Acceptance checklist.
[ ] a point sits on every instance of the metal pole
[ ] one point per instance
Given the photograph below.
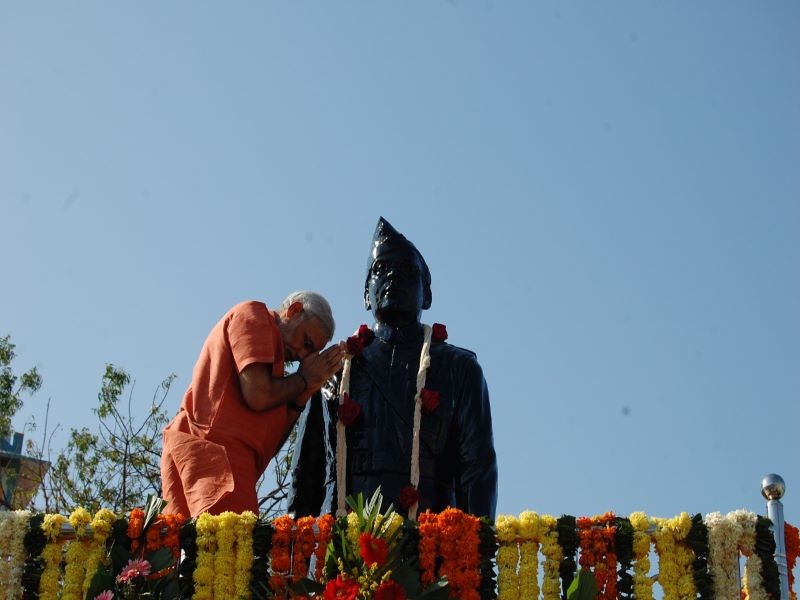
(773, 488)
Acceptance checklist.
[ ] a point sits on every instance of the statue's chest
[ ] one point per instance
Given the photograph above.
(386, 392)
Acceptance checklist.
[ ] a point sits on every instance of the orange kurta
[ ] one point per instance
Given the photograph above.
(216, 447)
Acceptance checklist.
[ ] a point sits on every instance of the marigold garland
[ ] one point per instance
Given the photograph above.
(135, 528)
(34, 543)
(244, 554)
(164, 532)
(459, 543)
(791, 536)
(13, 526)
(597, 551)
(623, 546)
(324, 526)
(508, 580)
(529, 555)
(554, 554)
(203, 575)
(642, 584)
(675, 557)
(723, 555)
(76, 556)
(569, 540)
(428, 546)
(281, 562)
(225, 557)
(51, 555)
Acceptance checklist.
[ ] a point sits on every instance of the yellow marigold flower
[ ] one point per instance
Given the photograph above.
(506, 527)
(529, 525)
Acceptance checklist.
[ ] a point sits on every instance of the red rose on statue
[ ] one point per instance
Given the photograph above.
(430, 400)
(360, 340)
(349, 410)
(390, 590)
(341, 589)
(366, 335)
(354, 345)
(439, 333)
(408, 496)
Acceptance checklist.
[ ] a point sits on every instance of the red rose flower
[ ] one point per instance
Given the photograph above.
(341, 589)
(354, 345)
(366, 335)
(439, 333)
(408, 496)
(349, 411)
(373, 549)
(390, 590)
(430, 400)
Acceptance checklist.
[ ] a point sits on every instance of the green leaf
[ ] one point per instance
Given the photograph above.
(307, 586)
(103, 580)
(152, 509)
(435, 591)
(583, 587)
(161, 559)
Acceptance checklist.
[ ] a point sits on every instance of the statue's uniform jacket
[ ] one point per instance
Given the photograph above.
(458, 465)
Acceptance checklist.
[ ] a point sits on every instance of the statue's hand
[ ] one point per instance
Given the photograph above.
(317, 368)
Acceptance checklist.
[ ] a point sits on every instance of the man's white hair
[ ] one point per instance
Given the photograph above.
(314, 304)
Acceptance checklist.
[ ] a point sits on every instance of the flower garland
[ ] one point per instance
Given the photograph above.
(135, 529)
(597, 550)
(723, 542)
(508, 581)
(791, 536)
(529, 555)
(51, 555)
(13, 526)
(281, 562)
(225, 555)
(324, 526)
(642, 584)
(303, 547)
(428, 546)
(262, 545)
(77, 556)
(675, 557)
(554, 554)
(164, 532)
(188, 564)
(488, 550)
(569, 540)
(101, 529)
(424, 363)
(753, 581)
(459, 544)
(698, 542)
(203, 575)
(244, 554)
(623, 546)
(765, 549)
(34, 543)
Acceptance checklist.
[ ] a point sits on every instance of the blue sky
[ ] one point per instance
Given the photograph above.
(607, 195)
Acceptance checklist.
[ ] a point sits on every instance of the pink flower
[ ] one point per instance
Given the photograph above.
(107, 595)
(133, 569)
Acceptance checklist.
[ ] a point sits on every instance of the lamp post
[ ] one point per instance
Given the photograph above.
(773, 489)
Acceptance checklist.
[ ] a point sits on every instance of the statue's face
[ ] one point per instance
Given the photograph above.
(395, 290)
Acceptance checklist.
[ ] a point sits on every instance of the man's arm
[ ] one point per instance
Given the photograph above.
(261, 391)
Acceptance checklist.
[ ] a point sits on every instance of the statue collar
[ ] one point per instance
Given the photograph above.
(408, 334)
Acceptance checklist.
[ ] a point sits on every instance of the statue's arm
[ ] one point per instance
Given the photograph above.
(476, 477)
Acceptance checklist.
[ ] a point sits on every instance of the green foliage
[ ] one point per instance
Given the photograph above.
(583, 587)
(13, 387)
(117, 465)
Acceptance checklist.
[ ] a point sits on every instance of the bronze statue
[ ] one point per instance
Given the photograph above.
(458, 465)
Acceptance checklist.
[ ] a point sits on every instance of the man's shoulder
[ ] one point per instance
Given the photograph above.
(455, 354)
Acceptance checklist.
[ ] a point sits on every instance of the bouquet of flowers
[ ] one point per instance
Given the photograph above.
(372, 555)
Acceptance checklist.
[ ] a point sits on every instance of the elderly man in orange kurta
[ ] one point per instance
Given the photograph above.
(239, 408)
